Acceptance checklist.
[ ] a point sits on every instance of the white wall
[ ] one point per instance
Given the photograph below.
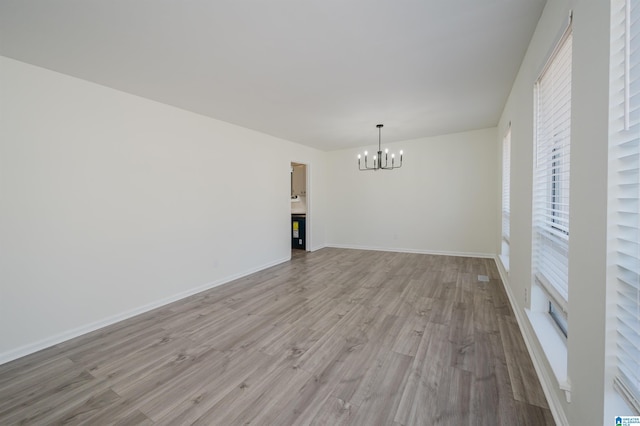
(442, 200)
(587, 259)
(111, 204)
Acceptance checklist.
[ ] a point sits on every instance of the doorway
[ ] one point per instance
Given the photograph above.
(299, 207)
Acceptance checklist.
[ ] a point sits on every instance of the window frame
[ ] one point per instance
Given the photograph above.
(551, 190)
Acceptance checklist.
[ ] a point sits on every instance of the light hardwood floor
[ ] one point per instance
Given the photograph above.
(332, 337)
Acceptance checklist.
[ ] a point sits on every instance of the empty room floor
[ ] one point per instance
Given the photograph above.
(331, 337)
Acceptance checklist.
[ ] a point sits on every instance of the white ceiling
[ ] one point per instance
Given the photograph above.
(319, 72)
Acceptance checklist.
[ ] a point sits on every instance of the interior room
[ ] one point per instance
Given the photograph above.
(298, 206)
(190, 172)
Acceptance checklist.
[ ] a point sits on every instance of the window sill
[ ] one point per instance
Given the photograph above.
(554, 346)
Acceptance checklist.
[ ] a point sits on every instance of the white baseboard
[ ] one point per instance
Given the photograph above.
(417, 251)
(70, 334)
(547, 382)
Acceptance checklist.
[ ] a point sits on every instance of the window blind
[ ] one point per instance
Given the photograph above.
(551, 172)
(506, 178)
(625, 187)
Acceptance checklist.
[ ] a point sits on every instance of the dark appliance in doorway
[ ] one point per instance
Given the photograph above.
(298, 231)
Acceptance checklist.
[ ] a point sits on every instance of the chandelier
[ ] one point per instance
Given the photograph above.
(378, 163)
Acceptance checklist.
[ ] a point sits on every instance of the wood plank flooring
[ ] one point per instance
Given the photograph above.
(334, 337)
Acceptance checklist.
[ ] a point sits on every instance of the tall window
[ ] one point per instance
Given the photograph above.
(551, 179)
(506, 197)
(624, 200)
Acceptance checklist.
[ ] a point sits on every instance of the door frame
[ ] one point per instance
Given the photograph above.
(307, 177)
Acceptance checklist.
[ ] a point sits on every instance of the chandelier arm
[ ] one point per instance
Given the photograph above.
(393, 166)
(365, 168)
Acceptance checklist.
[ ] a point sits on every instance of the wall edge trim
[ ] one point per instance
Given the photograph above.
(48, 342)
(559, 416)
(416, 251)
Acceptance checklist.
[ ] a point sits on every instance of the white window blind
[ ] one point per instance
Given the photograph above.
(506, 196)
(506, 177)
(625, 191)
(551, 173)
